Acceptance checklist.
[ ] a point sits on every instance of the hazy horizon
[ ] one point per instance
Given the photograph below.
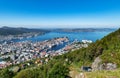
(40, 27)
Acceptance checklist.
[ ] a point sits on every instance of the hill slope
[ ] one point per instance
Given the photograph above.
(108, 48)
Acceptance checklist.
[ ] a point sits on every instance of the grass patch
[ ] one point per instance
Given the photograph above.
(104, 74)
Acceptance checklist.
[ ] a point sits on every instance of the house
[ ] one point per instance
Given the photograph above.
(86, 68)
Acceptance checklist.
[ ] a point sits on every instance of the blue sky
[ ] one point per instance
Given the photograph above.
(60, 13)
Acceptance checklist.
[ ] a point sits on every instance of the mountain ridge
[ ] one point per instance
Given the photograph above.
(5, 30)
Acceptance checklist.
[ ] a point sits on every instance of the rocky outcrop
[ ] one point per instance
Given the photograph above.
(109, 66)
(97, 65)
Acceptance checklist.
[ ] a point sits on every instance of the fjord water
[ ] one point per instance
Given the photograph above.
(91, 35)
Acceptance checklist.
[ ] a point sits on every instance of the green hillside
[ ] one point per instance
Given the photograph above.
(108, 49)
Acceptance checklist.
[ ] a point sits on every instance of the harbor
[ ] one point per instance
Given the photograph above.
(20, 52)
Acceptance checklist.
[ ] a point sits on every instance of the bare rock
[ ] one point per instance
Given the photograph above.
(109, 66)
(96, 64)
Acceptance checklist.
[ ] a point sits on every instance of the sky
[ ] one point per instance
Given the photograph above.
(60, 13)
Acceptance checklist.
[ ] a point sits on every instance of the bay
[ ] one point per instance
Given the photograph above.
(93, 35)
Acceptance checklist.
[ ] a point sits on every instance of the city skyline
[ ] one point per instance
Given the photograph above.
(60, 13)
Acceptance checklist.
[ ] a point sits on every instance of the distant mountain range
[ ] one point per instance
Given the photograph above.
(85, 29)
(5, 30)
(16, 31)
